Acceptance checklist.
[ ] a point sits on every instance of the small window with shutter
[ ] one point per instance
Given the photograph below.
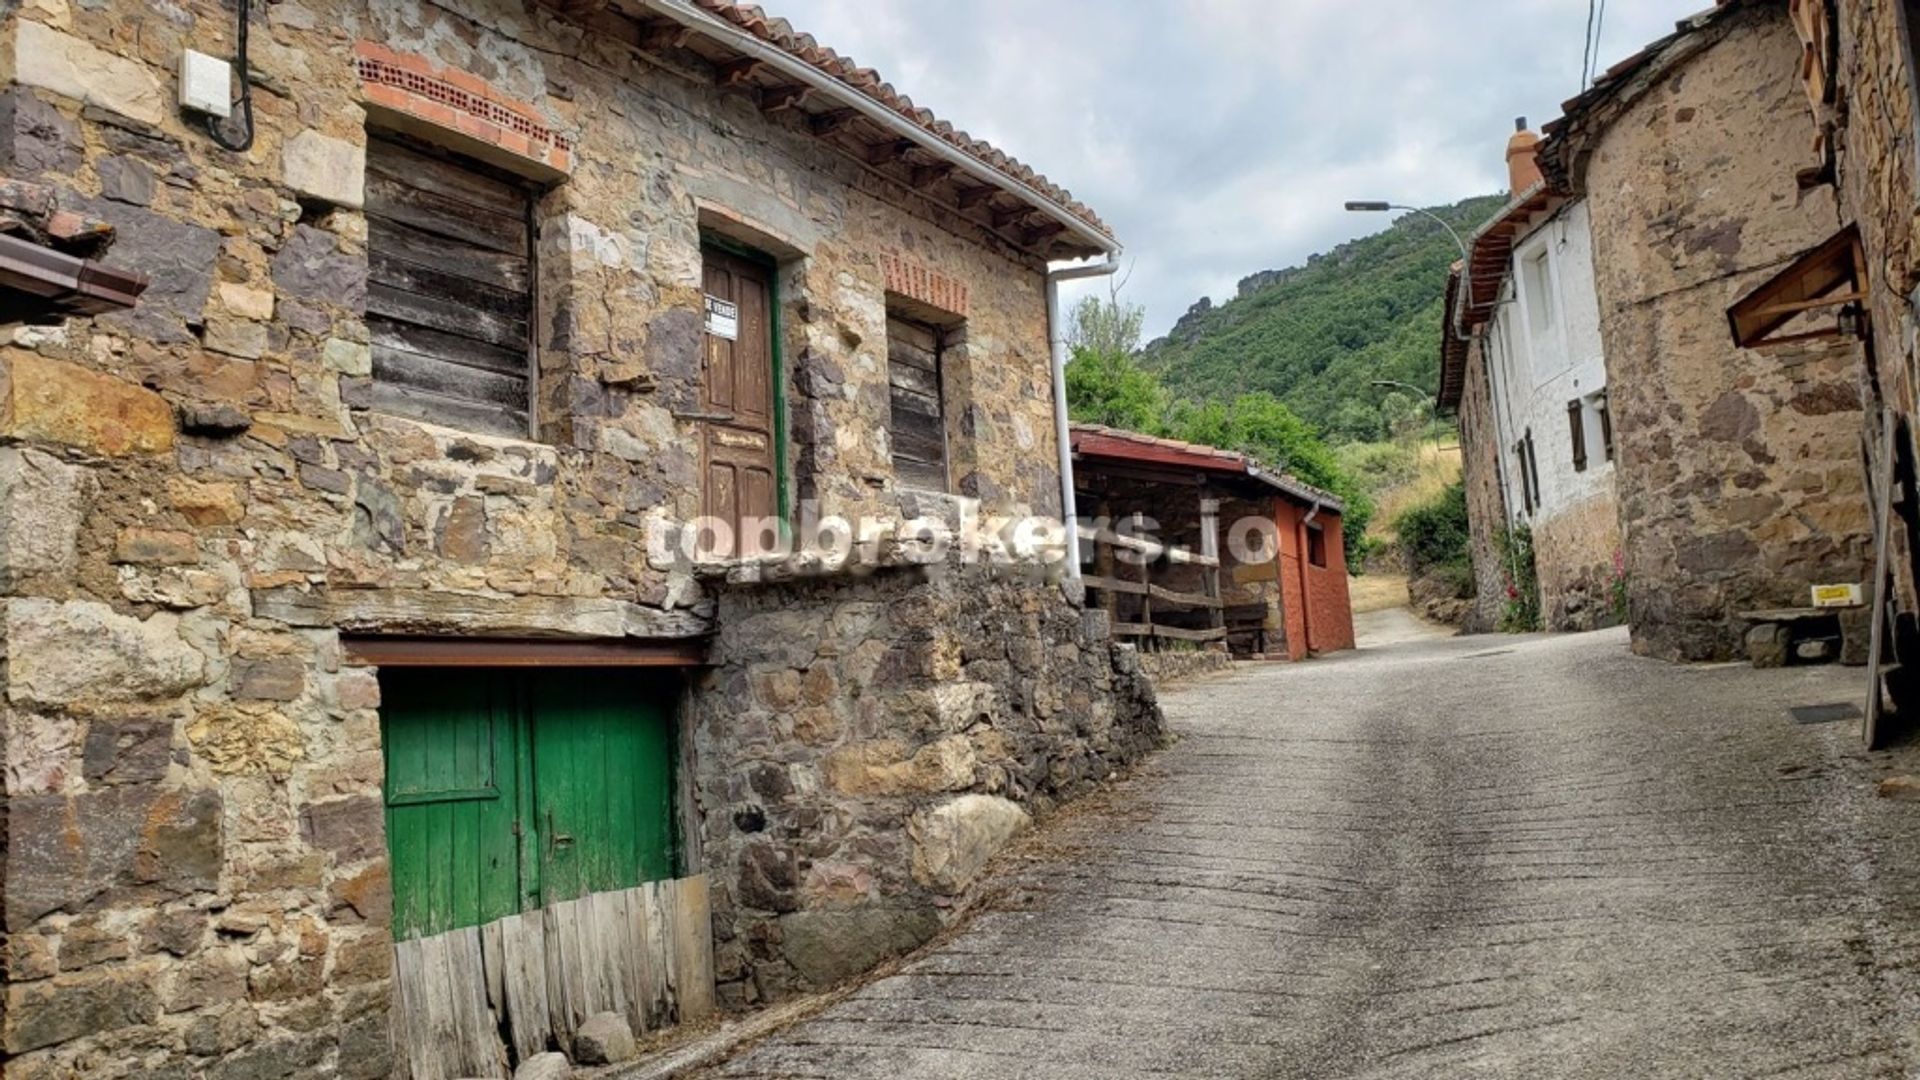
(917, 425)
(450, 299)
(1606, 424)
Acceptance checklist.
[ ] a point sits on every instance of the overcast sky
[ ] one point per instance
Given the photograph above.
(1220, 137)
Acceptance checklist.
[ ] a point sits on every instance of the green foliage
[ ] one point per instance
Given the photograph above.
(1317, 337)
(1107, 385)
(1435, 533)
(1522, 613)
(1382, 466)
(1113, 389)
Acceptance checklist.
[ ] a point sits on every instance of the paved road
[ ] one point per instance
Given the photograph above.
(1487, 856)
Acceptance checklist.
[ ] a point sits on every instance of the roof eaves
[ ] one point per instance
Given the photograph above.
(747, 28)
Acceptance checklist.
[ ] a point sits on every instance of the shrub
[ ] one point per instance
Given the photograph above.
(1435, 533)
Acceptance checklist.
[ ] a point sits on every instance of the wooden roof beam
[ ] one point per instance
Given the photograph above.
(971, 197)
(925, 176)
(832, 121)
(781, 98)
(659, 35)
(738, 72)
(1043, 232)
(1004, 218)
(882, 153)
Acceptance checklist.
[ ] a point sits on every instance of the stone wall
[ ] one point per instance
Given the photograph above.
(196, 501)
(1174, 666)
(865, 744)
(1486, 509)
(1578, 558)
(1875, 145)
(1739, 472)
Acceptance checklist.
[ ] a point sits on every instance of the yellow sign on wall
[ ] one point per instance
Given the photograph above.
(1836, 596)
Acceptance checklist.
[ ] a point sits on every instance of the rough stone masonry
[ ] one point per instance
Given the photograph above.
(198, 503)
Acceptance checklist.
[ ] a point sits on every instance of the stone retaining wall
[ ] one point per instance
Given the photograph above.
(865, 744)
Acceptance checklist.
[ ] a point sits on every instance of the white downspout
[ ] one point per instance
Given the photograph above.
(1057, 331)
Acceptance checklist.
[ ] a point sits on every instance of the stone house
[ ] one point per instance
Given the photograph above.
(1858, 69)
(1739, 469)
(404, 660)
(1465, 391)
(1527, 301)
(1199, 547)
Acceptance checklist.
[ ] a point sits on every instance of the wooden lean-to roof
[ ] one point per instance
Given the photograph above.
(1097, 443)
(796, 79)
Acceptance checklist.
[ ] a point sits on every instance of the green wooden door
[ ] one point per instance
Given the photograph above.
(603, 782)
(451, 792)
(507, 790)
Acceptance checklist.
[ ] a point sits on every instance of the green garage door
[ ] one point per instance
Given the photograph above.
(507, 790)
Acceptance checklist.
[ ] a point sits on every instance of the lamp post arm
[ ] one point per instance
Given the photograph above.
(1466, 266)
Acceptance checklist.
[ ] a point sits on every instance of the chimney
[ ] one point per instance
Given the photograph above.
(1522, 170)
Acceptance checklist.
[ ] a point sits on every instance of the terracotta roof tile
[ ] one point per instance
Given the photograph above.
(781, 34)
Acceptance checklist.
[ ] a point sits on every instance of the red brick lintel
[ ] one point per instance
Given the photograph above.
(412, 90)
(924, 285)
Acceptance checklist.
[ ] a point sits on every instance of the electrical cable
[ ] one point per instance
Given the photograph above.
(1599, 30)
(1586, 48)
(214, 128)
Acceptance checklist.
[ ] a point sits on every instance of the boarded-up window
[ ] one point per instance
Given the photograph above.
(450, 293)
(1577, 427)
(917, 428)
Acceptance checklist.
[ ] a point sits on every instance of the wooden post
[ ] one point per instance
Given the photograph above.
(1280, 580)
(1146, 579)
(1210, 549)
(1103, 561)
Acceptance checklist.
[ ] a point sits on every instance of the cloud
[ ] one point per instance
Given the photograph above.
(1220, 137)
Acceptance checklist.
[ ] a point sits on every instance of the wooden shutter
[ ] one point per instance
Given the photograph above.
(450, 290)
(1526, 487)
(1606, 426)
(1577, 426)
(917, 427)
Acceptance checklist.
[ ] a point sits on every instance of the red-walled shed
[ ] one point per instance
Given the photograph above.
(1193, 545)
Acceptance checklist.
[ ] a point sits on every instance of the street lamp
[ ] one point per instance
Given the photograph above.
(1376, 206)
(1398, 385)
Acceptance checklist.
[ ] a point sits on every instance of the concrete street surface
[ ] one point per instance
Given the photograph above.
(1525, 857)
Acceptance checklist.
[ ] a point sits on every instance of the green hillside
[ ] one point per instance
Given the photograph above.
(1316, 336)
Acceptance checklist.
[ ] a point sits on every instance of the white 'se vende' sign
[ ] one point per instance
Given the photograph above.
(723, 318)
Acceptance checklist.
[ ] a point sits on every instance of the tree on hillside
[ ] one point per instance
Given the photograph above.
(1106, 327)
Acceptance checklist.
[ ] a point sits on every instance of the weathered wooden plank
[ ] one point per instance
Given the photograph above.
(919, 440)
(909, 406)
(447, 316)
(426, 341)
(392, 200)
(919, 474)
(523, 942)
(1182, 634)
(500, 269)
(433, 281)
(664, 995)
(450, 378)
(913, 334)
(634, 971)
(693, 948)
(922, 381)
(450, 412)
(562, 949)
(424, 611)
(418, 169)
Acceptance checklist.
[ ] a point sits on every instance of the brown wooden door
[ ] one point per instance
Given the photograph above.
(741, 484)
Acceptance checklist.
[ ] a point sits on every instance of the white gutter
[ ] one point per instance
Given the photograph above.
(743, 41)
(1057, 332)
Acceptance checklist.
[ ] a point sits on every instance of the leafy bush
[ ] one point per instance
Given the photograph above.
(1435, 533)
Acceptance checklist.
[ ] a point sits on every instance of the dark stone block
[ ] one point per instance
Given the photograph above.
(674, 352)
(353, 829)
(130, 751)
(125, 179)
(177, 257)
(72, 852)
(276, 1060)
(48, 1013)
(37, 138)
(312, 267)
(768, 877)
(377, 521)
